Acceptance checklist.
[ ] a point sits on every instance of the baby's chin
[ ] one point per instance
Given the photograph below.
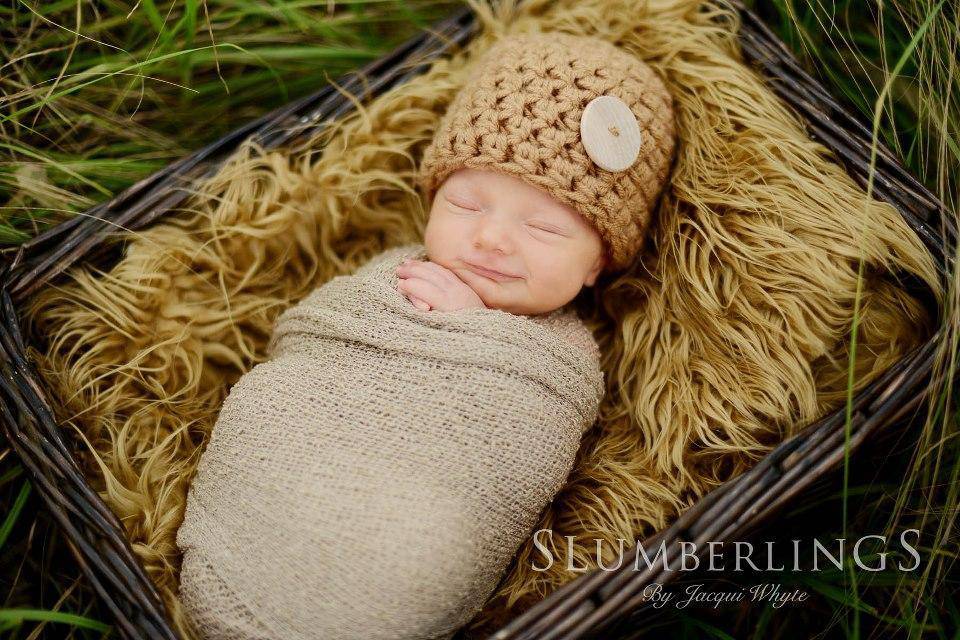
(516, 305)
(495, 295)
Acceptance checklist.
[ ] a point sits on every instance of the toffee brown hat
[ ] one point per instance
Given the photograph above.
(574, 115)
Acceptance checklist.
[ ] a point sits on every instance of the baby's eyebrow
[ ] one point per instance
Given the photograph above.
(467, 191)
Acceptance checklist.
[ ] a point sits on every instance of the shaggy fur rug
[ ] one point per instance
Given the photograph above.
(729, 335)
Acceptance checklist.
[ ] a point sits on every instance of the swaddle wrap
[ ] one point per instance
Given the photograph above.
(374, 477)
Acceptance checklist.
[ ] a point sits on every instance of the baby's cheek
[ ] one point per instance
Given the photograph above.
(554, 285)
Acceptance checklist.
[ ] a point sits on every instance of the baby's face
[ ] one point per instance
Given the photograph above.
(488, 219)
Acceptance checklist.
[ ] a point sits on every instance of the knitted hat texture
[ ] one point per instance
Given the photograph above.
(520, 112)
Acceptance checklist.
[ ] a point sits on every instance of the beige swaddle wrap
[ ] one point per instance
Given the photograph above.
(375, 476)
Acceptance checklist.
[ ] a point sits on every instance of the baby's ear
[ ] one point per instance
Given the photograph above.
(596, 269)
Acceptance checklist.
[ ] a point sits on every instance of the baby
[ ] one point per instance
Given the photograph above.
(374, 477)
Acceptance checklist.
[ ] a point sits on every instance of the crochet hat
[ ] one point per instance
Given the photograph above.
(572, 115)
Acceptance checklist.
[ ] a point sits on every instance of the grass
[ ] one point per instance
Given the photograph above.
(94, 97)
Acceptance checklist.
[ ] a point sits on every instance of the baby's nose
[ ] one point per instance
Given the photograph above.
(494, 236)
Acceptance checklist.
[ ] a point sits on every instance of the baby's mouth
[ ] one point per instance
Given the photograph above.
(489, 273)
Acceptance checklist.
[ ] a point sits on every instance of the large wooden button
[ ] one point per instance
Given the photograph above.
(610, 133)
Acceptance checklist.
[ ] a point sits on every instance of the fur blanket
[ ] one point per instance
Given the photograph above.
(376, 475)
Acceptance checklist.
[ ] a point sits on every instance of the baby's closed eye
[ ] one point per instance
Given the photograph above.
(539, 226)
(463, 205)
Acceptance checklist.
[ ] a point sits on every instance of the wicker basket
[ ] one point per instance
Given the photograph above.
(586, 605)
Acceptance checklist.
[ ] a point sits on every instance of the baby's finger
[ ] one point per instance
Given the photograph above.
(419, 304)
(422, 270)
(427, 291)
(447, 275)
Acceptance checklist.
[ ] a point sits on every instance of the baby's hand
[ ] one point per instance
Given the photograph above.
(429, 285)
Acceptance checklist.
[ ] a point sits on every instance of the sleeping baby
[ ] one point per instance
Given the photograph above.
(373, 478)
